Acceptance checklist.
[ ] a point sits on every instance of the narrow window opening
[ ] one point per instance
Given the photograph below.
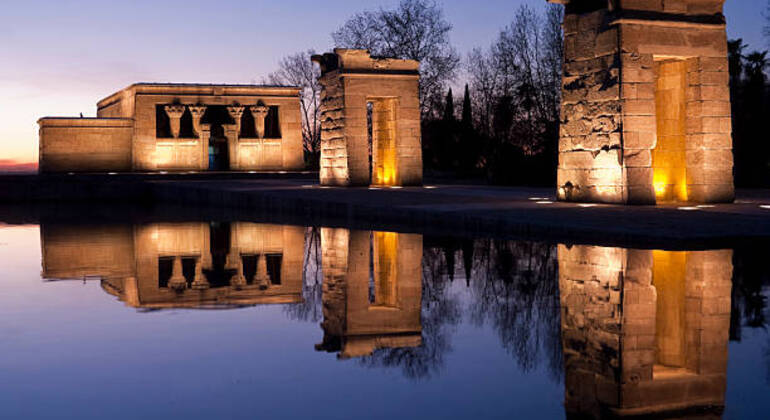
(188, 270)
(250, 267)
(272, 123)
(248, 129)
(273, 262)
(162, 123)
(165, 271)
(186, 125)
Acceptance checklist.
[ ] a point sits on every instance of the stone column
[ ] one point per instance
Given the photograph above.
(174, 113)
(238, 280)
(259, 112)
(203, 132)
(204, 137)
(177, 280)
(231, 132)
(200, 282)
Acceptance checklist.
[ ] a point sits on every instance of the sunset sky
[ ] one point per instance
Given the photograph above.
(59, 57)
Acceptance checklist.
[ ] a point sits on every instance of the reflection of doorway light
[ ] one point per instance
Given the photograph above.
(668, 277)
(383, 280)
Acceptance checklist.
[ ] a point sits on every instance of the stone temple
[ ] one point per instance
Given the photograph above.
(370, 120)
(645, 103)
(180, 127)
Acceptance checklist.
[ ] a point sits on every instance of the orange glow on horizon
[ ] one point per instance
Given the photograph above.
(11, 165)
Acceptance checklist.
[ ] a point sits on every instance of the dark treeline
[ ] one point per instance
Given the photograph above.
(503, 126)
(748, 91)
(512, 287)
(507, 127)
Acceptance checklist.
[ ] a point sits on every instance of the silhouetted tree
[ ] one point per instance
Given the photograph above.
(467, 116)
(517, 89)
(449, 107)
(298, 70)
(416, 30)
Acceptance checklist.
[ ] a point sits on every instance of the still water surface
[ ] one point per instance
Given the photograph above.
(245, 320)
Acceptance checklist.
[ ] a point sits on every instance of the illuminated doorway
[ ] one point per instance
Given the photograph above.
(669, 157)
(382, 141)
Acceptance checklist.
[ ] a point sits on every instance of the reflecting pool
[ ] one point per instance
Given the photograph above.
(234, 319)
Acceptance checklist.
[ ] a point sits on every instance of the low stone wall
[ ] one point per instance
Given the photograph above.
(85, 144)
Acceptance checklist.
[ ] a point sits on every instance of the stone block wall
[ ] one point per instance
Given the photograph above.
(352, 79)
(85, 144)
(644, 332)
(354, 324)
(609, 129)
(124, 136)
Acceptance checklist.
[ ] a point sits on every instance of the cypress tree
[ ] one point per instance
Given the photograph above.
(449, 107)
(467, 119)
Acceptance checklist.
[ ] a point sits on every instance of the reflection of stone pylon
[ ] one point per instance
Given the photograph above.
(177, 281)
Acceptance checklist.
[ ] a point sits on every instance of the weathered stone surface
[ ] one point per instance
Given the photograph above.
(352, 80)
(614, 96)
(643, 332)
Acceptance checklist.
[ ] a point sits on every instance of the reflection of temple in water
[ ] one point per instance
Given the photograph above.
(644, 332)
(181, 265)
(371, 291)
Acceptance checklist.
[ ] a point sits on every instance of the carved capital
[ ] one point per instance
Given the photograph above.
(236, 111)
(197, 111)
(259, 112)
(174, 113)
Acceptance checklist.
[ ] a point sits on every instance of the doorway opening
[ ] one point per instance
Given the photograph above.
(668, 157)
(219, 154)
(381, 124)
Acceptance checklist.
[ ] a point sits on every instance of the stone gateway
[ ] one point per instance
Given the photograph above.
(370, 120)
(645, 113)
(180, 127)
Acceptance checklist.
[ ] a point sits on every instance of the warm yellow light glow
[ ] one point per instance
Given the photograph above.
(385, 268)
(384, 142)
(668, 158)
(668, 277)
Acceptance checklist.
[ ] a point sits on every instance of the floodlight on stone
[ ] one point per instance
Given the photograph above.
(645, 114)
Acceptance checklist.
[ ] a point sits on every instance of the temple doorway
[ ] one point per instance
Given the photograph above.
(219, 159)
(219, 153)
(381, 125)
(668, 157)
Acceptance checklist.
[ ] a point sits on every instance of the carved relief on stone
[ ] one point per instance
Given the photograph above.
(175, 113)
(197, 112)
(259, 112)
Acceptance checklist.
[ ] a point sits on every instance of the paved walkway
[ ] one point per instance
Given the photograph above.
(511, 212)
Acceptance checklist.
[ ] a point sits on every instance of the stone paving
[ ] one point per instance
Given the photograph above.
(505, 211)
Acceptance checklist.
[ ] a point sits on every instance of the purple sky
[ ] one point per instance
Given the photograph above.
(59, 57)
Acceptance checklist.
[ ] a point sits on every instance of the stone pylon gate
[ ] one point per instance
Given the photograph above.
(362, 93)
(645, 102)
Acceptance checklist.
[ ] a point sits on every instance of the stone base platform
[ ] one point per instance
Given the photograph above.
(296, 198)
